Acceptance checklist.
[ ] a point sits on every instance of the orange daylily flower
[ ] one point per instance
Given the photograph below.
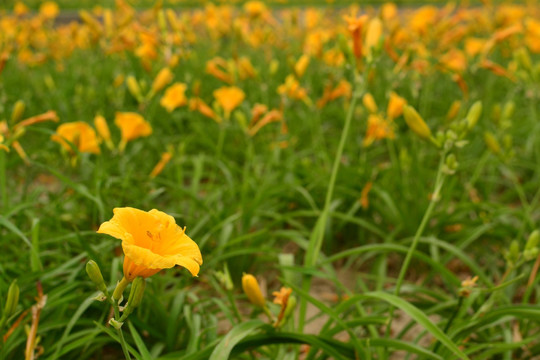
(165, 158)
(151, 242)
(354, 25)
(301, 65)
(229, 98)
(292, 89)
(103, 130)
(174, 97)
(132, 126)
(364, 199)
(395, 105)
(197, 104)
(79, 134)
(163, 78)
(378, 128)
(218, 68)
(49, 9)
(272, 116)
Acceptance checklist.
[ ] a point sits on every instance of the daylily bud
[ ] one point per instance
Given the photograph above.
(94, 273)
(523, 58)
(453, 111)
(115, 324)
(12, 299)
(373, 34)
(274, 66)
(291, 304)
(18, 110)
(416, 123)
(512, 256)
(531, 247)
(451, 162)
(474, 114)
(224, 278)
(492, 143)
(135, 297)
(103, 130)
(508, 110)
(369, 103)
(164, 77)
(252, 290)
(134, 88)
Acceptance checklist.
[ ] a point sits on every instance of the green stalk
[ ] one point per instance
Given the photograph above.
(117, 295)
(119, 331)
(316, 239)
(439, 180)
(3, 181)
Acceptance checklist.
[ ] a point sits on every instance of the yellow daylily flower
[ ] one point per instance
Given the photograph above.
(229, 98)
(174, 97)
(80, 134)
(132, 126)
(151, 241)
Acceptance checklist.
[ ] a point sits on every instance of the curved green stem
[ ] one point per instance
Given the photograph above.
(316, 239)
(120, 333)
(439, 180)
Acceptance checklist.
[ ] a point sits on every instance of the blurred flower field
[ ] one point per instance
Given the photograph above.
(269, 180)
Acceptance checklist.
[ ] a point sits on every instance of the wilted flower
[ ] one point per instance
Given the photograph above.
(151, 242)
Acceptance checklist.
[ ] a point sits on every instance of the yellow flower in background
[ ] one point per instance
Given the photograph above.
(369, 103)
(20, 8)
(292, 89)
(416, 123)
(395, 105)
(165, 158)
(255, 8)
(175, 96)
(49, 9)
(80, 134)
(378, 128)
(301, 65)
(132, 126)
(103, 130)
(251, 288)
(229, 98)
(197, 104)
(163, 78)
(373, 34)
(151, 242)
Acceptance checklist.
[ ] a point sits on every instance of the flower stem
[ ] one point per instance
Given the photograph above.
(317, 236)
(439, 180)
(119, 290)
(119, 330)
(3, 180)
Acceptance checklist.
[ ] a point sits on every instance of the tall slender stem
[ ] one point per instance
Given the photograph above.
(3, 181)
(119, 331)
(316, 239)
(439, 180)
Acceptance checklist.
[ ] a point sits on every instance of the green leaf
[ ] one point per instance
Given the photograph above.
(420, 318)
(239, 332)
(145, 354)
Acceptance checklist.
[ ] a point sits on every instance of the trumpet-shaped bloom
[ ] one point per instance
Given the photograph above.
(151, 242)
(80, 134)
(229, 98)
(174, 97)
(132, 126)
